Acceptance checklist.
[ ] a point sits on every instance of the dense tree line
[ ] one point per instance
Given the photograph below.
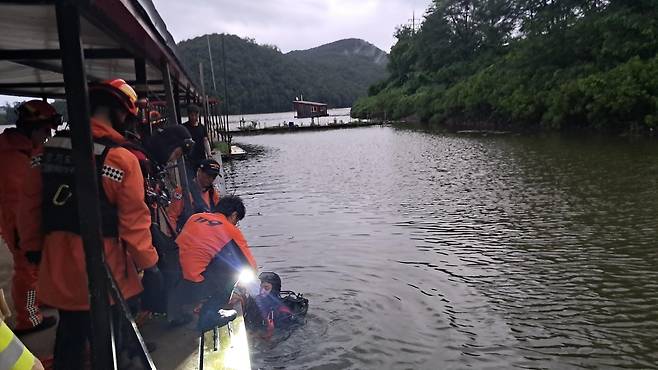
(261, 79)
(522, 63)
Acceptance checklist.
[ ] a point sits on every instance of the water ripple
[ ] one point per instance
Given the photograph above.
(423, 251)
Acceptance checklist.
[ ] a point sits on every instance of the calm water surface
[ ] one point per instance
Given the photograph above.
(425, 250)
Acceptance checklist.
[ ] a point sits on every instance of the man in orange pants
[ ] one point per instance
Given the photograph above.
(36, 118)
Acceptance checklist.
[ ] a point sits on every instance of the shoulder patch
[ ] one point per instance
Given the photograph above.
(112, 173)
(36, 160)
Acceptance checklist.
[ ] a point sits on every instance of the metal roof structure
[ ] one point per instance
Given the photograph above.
(114, 34)
(54, 49)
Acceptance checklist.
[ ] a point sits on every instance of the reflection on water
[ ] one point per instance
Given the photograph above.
(425, 251)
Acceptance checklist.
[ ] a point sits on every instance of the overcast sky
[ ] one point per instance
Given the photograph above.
(288, 24)
(291, 24)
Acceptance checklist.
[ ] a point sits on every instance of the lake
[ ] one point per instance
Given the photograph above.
(431, 250)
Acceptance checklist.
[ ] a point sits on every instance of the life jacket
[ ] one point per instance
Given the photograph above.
(60, 195)
(198, 204)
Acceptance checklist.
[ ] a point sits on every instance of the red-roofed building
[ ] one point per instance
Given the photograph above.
(309, 109)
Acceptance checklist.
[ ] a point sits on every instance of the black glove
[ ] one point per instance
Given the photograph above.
(33, 257)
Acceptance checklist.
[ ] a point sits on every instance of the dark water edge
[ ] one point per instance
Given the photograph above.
(426, 249)
(456, 124)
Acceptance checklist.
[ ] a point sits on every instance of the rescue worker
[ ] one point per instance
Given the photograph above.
(269, 309)
(168, 144)
(164, 148)
(49, 222)
(213, 252)
(36, 119)
(201, 149)
(203, 194)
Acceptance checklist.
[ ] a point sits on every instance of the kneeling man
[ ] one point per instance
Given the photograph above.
(213, 252)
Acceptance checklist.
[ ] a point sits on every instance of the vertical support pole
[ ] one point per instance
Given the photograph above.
(202, 347)
(213, 120)
(103, 356)
(173, 120)
(220, 120)
(218, 130)
(227, 136)
(172, 116)
(141, 84)
(141, 87)
(177, 103)
(212, 67)
(211, 123)
(204, 101)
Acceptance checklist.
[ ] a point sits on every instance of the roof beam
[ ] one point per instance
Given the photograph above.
(33, 94)
(41, 54)
(32, 85)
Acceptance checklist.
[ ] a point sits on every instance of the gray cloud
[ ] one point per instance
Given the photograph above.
(291, 24)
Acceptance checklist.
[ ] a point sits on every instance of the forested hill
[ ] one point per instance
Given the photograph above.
(521, 63)
(262, 79)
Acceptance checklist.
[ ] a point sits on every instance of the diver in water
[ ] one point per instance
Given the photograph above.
(273, 308)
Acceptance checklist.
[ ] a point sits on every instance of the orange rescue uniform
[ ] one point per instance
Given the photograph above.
(63, 274)
(176, 207)
(16, 152)
(203, 237)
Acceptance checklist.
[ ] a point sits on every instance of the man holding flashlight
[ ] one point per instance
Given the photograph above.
(213, 252)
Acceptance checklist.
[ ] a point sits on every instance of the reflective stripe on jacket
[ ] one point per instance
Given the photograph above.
(13, 354)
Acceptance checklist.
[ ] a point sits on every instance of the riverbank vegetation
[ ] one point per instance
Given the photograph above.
(525, 63)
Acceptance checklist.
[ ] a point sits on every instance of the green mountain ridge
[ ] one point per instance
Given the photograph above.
(262, 79)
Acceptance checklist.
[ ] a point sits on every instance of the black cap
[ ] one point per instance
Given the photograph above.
(193, 108)
(210, 166)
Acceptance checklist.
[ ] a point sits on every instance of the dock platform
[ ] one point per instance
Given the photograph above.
(287, 129)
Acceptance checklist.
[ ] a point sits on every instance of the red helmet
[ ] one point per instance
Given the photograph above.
(122, 91)
(37, 112)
